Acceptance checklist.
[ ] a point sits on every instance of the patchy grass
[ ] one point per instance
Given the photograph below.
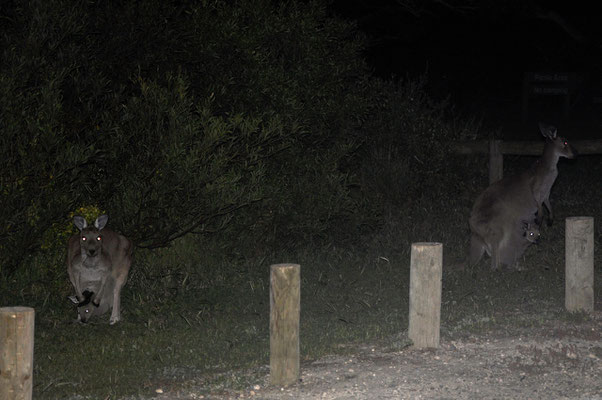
(206, 334)
(199, 316)
(218, 338)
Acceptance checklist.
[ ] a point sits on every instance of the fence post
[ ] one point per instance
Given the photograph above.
(496, 161)
(285, 302)
(425, 294)
(579, 264)
(16, 352)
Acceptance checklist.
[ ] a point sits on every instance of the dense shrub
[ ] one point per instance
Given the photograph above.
(255, 119)
(408, 171)
(175, 118)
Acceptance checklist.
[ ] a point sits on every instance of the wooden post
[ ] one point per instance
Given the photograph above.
(496, 161)
(579, 264)
(285, 305)
(425, 294)
(16, 352)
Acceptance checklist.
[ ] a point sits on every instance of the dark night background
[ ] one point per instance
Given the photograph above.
(476, 52)
(225, 136)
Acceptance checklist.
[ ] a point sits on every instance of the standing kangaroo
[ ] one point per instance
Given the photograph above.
(498, 212)
(98, 262)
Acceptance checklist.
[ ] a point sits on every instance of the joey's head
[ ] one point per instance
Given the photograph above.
(86, 308)
(531, 232)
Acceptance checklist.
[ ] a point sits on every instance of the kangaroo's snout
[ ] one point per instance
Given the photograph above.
(573, 153)
(567, 150)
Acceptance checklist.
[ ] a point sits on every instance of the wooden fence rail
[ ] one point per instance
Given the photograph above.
(497, 148)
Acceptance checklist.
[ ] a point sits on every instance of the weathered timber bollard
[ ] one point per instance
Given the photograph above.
(16, 352)
(579, 264)
(425, 294)
(285, 306)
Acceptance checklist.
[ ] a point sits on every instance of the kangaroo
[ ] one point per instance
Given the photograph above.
(500, 209)
(98, 263)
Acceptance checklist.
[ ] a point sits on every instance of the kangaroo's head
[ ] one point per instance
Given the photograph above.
(90, 238)
(531, 232)
(561, 147)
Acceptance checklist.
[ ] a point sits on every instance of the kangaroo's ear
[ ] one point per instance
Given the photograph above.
(548, 131)
(101, 221)
(73, 299)
(80, 222)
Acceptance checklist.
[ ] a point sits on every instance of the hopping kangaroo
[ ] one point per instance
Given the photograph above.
(498, 213)
(98, 262)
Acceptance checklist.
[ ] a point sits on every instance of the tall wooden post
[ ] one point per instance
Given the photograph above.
(496, 161)
(16, 352)
(579, 264)
(425, 294)
(285, 306)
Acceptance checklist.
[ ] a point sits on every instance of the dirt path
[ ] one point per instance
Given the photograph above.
(559, 360)
(540, 355)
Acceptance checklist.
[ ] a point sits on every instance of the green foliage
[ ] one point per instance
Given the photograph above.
(41, 165)
(407, 169)
(187, 169)
(58, 234)
(253, 119)
(214, 107)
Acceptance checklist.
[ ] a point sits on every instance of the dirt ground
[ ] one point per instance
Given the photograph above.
(558, 359)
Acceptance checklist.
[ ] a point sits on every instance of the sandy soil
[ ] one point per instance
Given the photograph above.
(556, 360)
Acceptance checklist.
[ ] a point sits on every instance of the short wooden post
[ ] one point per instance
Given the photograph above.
(425, 294)
(579, 264)
(496, 161)
(285, 306)
(16, 352)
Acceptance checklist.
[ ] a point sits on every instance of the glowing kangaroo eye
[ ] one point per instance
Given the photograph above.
(84, 239)
(98, 238)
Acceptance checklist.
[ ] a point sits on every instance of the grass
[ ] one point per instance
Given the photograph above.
(218, 338)
(197, 315)
(202, 334)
